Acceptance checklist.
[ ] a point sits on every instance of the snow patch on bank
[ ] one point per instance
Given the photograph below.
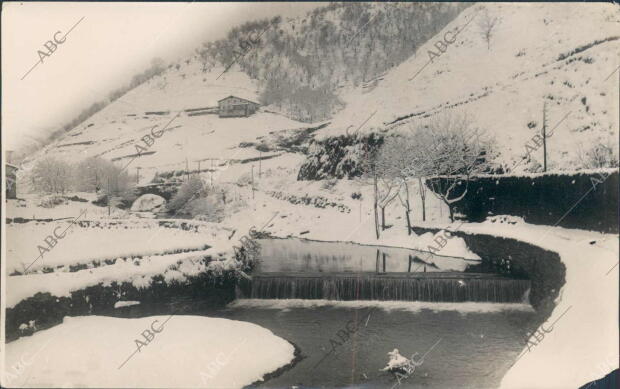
(454, 246)
(121, 304)
(87, 352)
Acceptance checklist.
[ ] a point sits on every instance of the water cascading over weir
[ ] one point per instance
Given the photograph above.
(297, 269)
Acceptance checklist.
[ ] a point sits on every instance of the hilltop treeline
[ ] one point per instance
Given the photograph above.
(302, 63)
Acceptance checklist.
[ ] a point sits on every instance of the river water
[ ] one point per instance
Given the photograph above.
(294, 255)
(474, 343)
(468, 337)
(472, 350)
(302, 269)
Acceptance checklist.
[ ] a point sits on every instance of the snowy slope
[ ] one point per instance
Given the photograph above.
(114, 132)
(502, 87)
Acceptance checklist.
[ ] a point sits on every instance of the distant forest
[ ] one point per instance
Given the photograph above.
(302, 63)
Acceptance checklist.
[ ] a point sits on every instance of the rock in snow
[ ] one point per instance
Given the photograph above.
(148, 203)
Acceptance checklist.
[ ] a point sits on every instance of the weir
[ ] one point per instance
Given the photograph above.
(302, 269)
(433, 287)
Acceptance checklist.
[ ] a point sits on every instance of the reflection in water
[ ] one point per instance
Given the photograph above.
(297, 255)
(301, 269)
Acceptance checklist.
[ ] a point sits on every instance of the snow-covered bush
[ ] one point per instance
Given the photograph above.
(329, 184)
(210, 208)
(244, 179)
(248, 254)
(189, 190)
(51, 175)
(316, 201)
(599, 155)
(52, 201)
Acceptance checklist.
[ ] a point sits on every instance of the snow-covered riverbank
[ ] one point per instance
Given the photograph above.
(581, 335)
(186, 352)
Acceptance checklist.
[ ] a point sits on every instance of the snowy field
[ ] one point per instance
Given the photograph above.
(84, 245)
(173, 268)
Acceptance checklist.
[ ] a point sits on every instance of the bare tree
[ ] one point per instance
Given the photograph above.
(394, 162)
(90, 174)
(118, 186)
(387, 192)
(399, 161)
(419, 166)
(368, 165)
(598, 155)
(487, 25)
(422, 191)
(51, 175)
(454, 151)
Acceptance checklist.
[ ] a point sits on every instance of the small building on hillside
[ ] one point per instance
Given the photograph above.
(11, 181)
(233, 106)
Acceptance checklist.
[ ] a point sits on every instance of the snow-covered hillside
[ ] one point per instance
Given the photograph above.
(115, 132)
(564, 54)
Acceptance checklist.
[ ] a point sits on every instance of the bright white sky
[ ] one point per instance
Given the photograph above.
(113, 42)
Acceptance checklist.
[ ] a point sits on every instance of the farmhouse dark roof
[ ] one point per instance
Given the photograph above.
(240, 98)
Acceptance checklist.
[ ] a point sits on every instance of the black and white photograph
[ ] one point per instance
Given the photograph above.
(300, 195)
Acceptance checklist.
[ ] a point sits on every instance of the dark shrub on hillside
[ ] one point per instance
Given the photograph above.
(579, 200)
(77, 198)
(338, 157)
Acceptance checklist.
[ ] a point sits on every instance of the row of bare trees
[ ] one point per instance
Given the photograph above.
(442, 155)
(53, 175)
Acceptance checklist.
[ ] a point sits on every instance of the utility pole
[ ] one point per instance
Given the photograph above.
(199, 167)
(137, 175)
(187, 168)
(252, 182)
(109, 196)
(260, 157)
(210, 170)
(544, 136)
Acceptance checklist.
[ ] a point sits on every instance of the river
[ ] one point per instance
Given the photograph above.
(468, 339)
